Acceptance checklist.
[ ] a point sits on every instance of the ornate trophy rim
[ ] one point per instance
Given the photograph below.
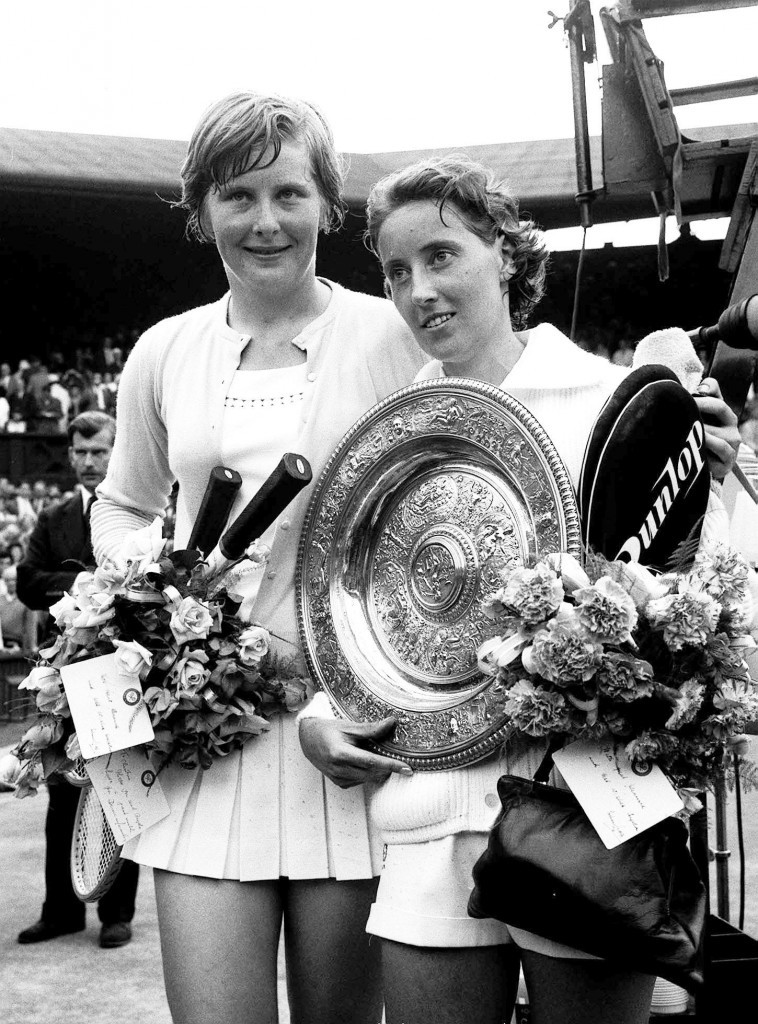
(410, 519)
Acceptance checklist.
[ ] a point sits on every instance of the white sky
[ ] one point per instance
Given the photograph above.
(388, 74)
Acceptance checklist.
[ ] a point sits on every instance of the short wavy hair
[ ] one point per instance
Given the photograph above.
(234, 135)
(486, 204)
(90, 423)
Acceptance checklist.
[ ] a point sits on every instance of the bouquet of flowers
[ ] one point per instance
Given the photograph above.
(663, 663)
(209, 680)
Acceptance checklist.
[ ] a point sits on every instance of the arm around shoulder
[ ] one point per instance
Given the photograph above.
(394, 357)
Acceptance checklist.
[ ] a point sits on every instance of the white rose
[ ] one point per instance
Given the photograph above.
(38, 677)
(93, 616)
(131, 657)
(89, 595)
(190, 674)
(81, 586)
(73, 750)
(109, 577)
(63, 611)
(190, 620)
(253, 645)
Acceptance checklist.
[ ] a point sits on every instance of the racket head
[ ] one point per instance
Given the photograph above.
(644, 484)
(612, 409)
(95, 854)
(77, 775)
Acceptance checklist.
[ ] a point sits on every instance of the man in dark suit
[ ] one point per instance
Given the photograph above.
(58, 549)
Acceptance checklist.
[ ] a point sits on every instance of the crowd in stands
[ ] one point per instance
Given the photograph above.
(42, 396)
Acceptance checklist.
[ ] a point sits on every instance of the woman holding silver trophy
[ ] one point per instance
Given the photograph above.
(464, 273)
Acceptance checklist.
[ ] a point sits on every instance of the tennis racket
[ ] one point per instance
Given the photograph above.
(77, 775)
(95, 854)
(644, 483)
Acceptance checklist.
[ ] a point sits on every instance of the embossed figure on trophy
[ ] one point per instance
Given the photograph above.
(398, 428)
(474, 499)
(477, 712)
(362, 456)
(445, 412)
(318, 578)
(515, 452)
(449, 653)
(434, 575)
(389, 595)
(431, 502)
(337, 675)
(480, 427)
(497, 537)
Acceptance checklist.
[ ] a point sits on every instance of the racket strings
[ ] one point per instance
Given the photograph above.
(95, 852)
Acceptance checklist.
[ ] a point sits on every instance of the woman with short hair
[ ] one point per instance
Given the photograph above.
(465, 272)
(285, 361)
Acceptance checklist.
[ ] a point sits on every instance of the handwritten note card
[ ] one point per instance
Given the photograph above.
(129, 791)
(619, 802)
(107, 708)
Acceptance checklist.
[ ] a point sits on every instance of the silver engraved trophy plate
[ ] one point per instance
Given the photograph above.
(426, 501)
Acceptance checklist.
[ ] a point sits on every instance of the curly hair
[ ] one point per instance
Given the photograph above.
(488, 207)
(237, 133)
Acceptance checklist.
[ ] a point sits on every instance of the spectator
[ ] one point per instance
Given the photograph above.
(104, 396)
(23, 501)
(18, 624)
(16, 552)
(36, 378)
(5, 409)
(58, 547)
(16, 424)
(110, 382)
(82, 396)
(5, 563)
(39, 497)
(58, 391)
(17, 385)
(45, 411)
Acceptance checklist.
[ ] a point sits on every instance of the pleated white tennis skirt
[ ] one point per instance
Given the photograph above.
(262, 812)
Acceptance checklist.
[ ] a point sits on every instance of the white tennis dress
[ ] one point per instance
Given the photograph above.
(264, 811)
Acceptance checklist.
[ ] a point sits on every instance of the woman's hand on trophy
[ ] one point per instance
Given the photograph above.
(722, 436)
(338, 749)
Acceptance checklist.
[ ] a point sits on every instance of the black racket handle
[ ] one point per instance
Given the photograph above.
(223, 487)
(737, 327)
(290, 476)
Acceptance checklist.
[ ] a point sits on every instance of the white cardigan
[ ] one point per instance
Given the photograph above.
(170, 408)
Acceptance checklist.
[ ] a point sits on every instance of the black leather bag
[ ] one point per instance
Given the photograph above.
(546, 870)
